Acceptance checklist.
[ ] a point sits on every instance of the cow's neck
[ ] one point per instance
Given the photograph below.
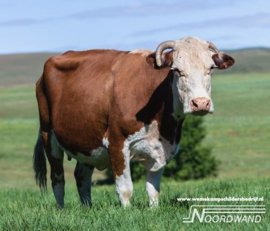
(160, 108)
(177, 104)
(171, 113)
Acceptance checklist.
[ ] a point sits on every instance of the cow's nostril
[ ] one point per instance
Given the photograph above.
(200, 104)
(194, 104)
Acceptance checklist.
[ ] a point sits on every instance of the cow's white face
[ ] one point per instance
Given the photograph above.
(193, 66)
(193, 61)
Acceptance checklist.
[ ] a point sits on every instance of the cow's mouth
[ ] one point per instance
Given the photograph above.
(200, 113)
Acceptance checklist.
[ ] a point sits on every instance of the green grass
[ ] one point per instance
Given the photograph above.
(27, 210)
(239, 130)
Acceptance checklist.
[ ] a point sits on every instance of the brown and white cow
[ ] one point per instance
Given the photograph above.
(105, 107)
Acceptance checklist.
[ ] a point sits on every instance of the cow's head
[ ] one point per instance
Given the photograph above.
(192, 61)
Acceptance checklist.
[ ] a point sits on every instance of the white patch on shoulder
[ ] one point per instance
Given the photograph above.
(142, 52)
(99, 157)
(149, 147)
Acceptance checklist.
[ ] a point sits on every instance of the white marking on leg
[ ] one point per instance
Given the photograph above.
(124, 186)
(153, 151)
(153, 186)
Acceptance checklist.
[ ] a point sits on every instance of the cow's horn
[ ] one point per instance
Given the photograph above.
(213, 47)
(163, 46)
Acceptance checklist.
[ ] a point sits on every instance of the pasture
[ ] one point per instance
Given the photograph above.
(238, 131)
(27, 210)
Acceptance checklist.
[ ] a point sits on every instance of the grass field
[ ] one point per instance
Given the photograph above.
(238, 131)
(26, 210)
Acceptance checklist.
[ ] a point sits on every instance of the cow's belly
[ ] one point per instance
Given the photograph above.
(99, 157)
(146, 146)
(150, 148)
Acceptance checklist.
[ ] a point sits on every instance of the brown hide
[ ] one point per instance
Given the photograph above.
(85, 96)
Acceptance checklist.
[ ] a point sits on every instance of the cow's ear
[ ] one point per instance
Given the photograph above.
(166, 59)
(223, 60)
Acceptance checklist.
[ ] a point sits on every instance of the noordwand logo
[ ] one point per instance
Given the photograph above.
(225, 213)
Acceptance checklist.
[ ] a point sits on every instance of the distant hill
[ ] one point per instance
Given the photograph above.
(22, 68)
(249, 60)
(27, 68)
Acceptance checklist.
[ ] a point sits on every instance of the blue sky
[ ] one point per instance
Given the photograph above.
(60, 25)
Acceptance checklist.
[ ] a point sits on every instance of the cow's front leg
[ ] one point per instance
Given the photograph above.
(83, 175)
(153, 186)
(121, 170)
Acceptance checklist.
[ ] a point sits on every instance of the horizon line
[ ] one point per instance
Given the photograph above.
(61, 52)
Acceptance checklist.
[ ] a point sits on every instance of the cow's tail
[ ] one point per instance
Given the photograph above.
(39, 164)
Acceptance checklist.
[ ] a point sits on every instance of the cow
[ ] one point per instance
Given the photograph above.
(108, 107)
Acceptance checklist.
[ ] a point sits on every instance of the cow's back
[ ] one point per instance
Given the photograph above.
(78, 88)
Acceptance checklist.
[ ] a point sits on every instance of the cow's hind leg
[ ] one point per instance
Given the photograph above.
(53, 151)
(83, 175)
(55, 156)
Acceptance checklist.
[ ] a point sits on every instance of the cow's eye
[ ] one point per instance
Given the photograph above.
(177, 71)
(211, 69)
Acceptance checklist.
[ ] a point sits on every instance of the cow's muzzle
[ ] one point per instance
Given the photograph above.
(200, 104)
